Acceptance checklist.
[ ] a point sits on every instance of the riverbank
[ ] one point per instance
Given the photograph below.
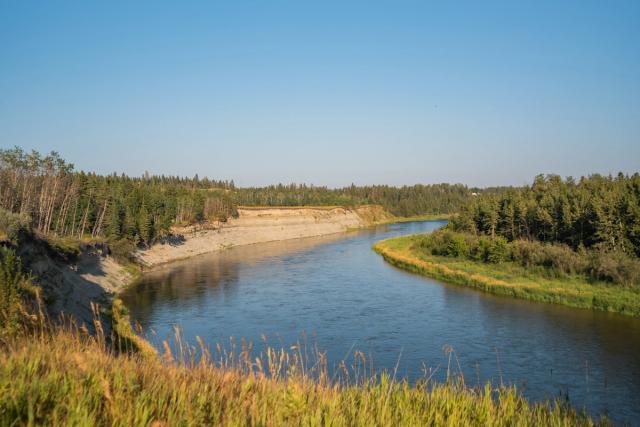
(260, 225)
(510, 280)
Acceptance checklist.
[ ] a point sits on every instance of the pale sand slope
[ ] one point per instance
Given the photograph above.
(259, 225)
(71, 288)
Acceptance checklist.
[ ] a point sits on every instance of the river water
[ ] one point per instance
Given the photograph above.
(338, 294)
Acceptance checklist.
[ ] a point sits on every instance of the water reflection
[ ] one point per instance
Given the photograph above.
(344, 296)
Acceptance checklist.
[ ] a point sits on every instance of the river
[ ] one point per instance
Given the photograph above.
(341, 296)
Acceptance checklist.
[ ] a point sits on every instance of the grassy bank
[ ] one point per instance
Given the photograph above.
(426, 217)
(62, 379)
(510, 279)
(402, 219)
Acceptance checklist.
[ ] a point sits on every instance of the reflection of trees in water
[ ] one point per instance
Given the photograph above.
(191, 282)
(186, 285)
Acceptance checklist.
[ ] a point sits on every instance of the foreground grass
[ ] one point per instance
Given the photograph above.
(60, 379)
(510, 279)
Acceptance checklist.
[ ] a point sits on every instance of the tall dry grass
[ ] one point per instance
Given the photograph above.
(63, 376)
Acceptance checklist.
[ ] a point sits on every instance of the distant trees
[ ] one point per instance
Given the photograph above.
(596, 211)
(590, 226)
(402, 201)
(62, 202)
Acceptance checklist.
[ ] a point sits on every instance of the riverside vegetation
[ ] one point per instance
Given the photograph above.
(59, 375)
(574, 243)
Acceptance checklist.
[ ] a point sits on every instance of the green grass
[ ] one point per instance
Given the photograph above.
(510, 279)
(401, 219)
(426, 217)
(59, 378)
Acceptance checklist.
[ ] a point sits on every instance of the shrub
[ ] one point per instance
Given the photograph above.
(67, 247)
(446, 243)
(12, 226)
(13, 286)
(558, 257)
(498, 250)
(455, 245)
(614, 266)
(122, 250)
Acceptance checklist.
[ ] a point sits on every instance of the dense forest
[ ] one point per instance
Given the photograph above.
(602, 211)
(61, 202)
(401, 201)
(589, 227)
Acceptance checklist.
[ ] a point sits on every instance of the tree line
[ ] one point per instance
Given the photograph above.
(589, 227)
(401, 201)
(61, 202)
(594, 211)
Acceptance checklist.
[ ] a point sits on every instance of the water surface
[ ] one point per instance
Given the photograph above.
(343, 296)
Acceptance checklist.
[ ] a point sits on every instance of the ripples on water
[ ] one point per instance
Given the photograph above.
(343, 296)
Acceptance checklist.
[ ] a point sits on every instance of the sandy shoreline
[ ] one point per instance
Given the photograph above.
(261, 225)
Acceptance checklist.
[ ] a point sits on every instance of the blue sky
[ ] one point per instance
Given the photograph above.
(326, 92)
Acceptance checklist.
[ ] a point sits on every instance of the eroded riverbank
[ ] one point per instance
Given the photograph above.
(260, 225)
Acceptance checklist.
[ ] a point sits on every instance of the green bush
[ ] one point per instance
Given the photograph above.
(498, 250)
(455, 245)
(614, 266)
(446, 243)
(13, 286)
(558, 257)
(491, 250)
(547, 259)
(122, 250)
(67, 247)
(13, 225)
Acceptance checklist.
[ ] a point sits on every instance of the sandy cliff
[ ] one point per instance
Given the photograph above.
(70, 287)
(258, 225)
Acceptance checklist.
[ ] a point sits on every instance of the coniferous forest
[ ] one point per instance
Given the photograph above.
(59, 201)
(594, 211)
(589, 227)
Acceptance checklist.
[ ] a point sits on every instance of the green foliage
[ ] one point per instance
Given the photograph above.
(595, 211)
(14, 286)
(67, 203)
(554, 259)
(122, 250)
(615, 267)
(403, 201)
(65, 247)
(497, 250)
(13, 225)
(446, 243)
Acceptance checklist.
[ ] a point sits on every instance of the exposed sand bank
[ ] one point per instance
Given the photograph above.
(70, 288)
(259, 225)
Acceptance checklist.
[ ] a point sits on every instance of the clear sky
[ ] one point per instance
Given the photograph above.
(325, 92)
